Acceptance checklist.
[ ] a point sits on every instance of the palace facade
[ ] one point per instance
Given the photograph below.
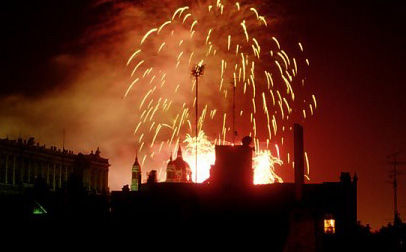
(22, 162)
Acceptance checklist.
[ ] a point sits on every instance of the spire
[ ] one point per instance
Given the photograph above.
(179, 152)
(136, 160)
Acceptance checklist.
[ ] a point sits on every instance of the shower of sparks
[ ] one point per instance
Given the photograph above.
(236, 45)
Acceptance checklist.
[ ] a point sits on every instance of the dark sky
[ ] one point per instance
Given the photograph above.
(356, 53)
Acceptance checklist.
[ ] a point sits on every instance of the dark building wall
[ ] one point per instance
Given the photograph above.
(229, 200)
(268, 209)
(336, 200)
(233, 167)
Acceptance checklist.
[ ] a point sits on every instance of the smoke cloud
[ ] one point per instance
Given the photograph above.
(85, 96)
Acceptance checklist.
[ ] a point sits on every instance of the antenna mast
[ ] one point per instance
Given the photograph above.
(395, 163)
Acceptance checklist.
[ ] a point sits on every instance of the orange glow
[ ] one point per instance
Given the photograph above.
(205, 157)
(263, 162)
(264, 168)
(219, 36)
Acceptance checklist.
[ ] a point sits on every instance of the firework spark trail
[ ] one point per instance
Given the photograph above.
(219, 35)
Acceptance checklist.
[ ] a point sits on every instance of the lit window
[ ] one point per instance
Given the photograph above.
(329, 226)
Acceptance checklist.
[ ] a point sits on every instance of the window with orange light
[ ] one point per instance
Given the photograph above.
(329, 226)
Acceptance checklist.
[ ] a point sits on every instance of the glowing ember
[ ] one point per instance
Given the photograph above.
(240, 53)
(264, 168)
(205, 158)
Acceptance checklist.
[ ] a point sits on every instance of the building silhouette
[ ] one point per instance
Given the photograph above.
(294, 216)
(23, 162)
(178, 170)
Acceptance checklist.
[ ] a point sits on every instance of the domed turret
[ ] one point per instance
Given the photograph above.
(178, 170)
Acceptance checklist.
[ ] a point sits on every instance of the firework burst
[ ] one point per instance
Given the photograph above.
(240, 54)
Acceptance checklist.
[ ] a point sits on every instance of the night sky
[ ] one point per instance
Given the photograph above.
(63, 62)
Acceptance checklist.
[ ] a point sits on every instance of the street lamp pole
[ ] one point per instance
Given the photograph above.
(197, 71)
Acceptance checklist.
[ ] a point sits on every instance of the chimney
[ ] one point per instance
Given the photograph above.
(299, 160)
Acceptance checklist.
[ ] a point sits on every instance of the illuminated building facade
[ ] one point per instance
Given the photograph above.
(22, 162)
(136, 176)
(178, 170)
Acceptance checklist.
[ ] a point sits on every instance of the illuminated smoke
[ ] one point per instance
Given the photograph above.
(236, 44)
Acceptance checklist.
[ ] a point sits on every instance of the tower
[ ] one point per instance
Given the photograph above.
(136, 175)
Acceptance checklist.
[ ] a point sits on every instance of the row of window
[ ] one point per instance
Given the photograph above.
(24, 171)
